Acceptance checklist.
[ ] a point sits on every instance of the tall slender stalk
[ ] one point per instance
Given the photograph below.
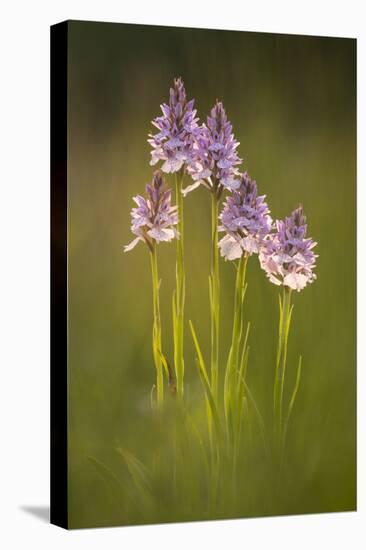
(232, 366)
(214, 296)
(156, 336)
(284, 328)
(179, 295)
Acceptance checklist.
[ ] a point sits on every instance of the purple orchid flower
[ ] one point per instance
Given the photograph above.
(177, 127)
(245, 219)
(214, 158)
(287, 256)
(154, 218)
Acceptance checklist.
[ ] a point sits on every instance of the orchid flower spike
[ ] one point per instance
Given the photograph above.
(154, 219)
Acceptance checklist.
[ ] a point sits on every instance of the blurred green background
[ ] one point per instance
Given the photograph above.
(292, 102)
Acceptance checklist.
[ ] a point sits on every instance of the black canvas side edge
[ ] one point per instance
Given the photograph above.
(59, 469)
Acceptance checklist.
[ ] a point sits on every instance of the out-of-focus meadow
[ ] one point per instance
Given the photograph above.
(292, 102)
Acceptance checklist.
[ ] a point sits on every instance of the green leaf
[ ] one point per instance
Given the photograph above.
(153, 396)
(241, 380)
(244, 355)
(138, 471)
(293, 397)
(105, 472)
(210, 290)
(258, 415)
(204, 379)
(195, 431)
(165, 363)
(281, 310)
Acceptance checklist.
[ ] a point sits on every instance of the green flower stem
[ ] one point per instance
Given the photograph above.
(214, 296)
(179, 296)
(284, 328)
(232, 366)
(156, 337)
